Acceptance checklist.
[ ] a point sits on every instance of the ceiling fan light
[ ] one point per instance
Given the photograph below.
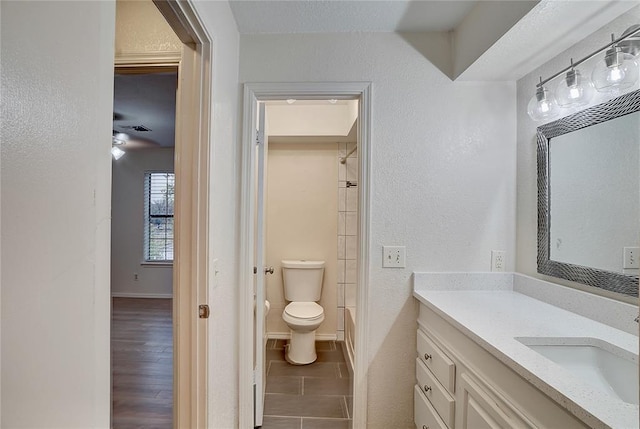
(117, 152)
(120, 138)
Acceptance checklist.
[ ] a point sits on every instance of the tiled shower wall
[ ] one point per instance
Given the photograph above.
(347, 233)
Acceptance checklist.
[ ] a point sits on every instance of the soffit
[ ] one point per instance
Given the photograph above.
(549, 29)
(337, 16)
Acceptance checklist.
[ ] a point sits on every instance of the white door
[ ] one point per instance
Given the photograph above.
(260, 271)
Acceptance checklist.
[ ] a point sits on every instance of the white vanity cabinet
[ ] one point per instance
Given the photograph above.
(459, 385)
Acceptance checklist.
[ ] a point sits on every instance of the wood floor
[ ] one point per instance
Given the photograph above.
(142, 363)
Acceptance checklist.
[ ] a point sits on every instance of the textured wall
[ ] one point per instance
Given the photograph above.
(56, 190)
(301, 222)
(141, 28)
(527, 225)
(127, 231)
(224, 200)
(443, 179)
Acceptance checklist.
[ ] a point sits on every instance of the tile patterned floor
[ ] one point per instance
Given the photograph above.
(314, 396)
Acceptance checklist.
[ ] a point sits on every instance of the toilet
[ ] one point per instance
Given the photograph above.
(302, 282)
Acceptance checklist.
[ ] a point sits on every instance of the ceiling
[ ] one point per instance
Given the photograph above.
(147, 100)
(550, 27)
(330, 16)
(298, 118)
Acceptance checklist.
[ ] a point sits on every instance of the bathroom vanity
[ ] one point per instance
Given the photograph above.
(492, 354)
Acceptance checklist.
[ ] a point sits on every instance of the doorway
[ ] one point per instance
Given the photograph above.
(251, 240)
(142, 236)
(310, 190)
(190, 265)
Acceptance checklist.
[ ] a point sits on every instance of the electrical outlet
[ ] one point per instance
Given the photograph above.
(135, 277)
(393, 257)
(498, 260)
(631, 258)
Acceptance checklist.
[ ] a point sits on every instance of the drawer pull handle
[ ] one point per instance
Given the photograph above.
(425, 427)
(427, 388)
(427, 356)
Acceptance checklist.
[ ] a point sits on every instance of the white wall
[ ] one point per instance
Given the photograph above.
(217, 18)
(302, 222)
(127, 230)
(527, 162)
(57, 88)
(443, 179)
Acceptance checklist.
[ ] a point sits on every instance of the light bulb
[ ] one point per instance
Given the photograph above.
(542, 105)
(574, 93)
(574, 90)
(615, 75)
(617, 71)
(117, 152)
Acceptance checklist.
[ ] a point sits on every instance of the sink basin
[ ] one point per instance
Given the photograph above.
(599, 363)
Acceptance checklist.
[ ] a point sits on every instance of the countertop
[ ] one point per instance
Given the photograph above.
(493, 318)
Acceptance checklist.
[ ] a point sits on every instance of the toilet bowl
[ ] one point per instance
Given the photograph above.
(302, 281)
(302, 318)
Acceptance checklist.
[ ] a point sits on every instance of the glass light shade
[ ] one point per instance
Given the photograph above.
(617, 71)
(117, 152)
(574, 90)
(542, 105)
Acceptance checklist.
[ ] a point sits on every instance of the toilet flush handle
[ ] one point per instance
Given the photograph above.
(268, 270)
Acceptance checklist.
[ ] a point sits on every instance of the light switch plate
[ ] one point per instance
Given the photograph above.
(394, 257)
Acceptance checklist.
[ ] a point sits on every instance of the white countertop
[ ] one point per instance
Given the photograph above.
(494, 317)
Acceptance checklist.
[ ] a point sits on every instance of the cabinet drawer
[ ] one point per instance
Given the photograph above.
(435, 393)
(437, 361)
(425, 416)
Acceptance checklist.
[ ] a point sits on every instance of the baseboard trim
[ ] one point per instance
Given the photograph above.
(348, 357)
(140, 295)
(287, 335)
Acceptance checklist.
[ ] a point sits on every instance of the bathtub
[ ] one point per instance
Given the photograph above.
(349, 335)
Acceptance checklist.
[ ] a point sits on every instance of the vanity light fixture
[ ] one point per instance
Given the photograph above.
(542, 105)
(574, 89)
(619, 70)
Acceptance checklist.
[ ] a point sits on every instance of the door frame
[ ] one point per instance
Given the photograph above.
(192, 170)
(254, 92)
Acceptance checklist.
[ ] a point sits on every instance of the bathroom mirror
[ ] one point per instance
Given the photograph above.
(589, 195)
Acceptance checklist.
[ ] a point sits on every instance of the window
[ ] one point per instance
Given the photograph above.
(159, 191)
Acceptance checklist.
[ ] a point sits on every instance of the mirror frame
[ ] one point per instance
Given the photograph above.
(611, 281)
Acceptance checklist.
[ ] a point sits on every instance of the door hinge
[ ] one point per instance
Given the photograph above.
(203, 311)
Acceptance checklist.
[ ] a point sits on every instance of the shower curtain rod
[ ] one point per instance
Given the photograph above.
(344, 159)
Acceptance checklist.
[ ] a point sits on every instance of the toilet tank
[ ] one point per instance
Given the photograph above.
(302, 280)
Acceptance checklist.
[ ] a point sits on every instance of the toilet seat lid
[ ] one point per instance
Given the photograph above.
(304, 310)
